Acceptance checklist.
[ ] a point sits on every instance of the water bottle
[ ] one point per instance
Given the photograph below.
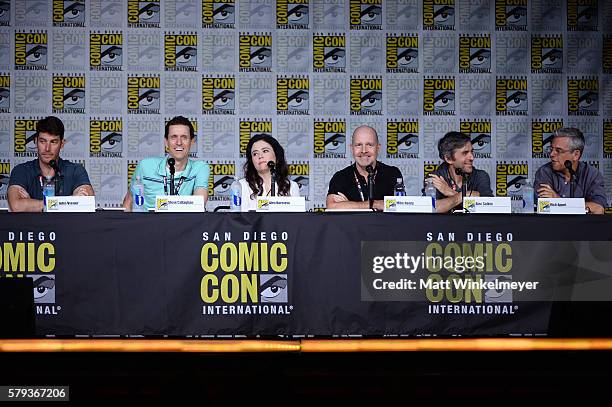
(430, 191)
(48, 190)
(399, 189)
(528, 198)
(236, 196)
(138, 200)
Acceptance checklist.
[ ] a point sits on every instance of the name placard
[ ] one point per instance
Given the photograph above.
(562, 206)
(179, 203)
(70, 204)
(408, 204)
(281, 204)
(482, 204)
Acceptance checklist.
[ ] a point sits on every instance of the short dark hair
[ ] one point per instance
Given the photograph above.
(179, 120)
(51, 125)
(451, 142)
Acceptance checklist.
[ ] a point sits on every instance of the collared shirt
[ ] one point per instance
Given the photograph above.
(29, 177)
(355, 187)
(589, 183)
(478, 180)
(156, 178)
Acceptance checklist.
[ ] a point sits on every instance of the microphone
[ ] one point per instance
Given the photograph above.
(54, 165)
(171, 163)
(272, 166)
(370, 171)
(568, 165)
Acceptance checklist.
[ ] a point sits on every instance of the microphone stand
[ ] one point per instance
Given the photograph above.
(56, 176)
(568, 165)
(171, 168)
(272, 166)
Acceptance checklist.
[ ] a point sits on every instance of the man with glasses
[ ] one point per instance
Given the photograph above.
(553, 180)
(348, 188)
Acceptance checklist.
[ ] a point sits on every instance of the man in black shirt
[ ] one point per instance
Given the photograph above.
(348, 188)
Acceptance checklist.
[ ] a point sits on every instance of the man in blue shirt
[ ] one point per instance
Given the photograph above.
(190, 177)
(27, 180)
(553, 180)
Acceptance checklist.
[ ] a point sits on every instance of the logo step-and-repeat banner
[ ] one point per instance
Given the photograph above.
(308, 72)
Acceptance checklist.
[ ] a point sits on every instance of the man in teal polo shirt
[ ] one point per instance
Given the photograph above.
(190, 177)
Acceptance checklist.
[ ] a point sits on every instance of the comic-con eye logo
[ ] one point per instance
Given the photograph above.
(31, 50)
(5, 173)
(475, 54)
(255, 53)
(402, 54)
(44, 289)
(143, 94)
(220, 180)
(218, 95)
(329, 139)
(438, 14)
(583, 96)
(439, 96)
(218, 13)
(292, 95)
(105, 51)
(68, 13)
(24, 137)
(546, 54)
(365, 14)
(5, 13)
(329, 53)
(180, 52)
(607, 139)
(366, 96)
(510, 179)
(480, 133)
(143, 13)
(511, 97)
(299, 173)
(68, 94)
(5, 93)
(249, 128)
(403, 139)
(105, 138)
(292, 14)
(542, 133)
(582, 15)
(511, 15)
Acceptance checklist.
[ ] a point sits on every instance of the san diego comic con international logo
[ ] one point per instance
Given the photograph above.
(105, 137)
(143, 13)
(299, 172)
(105, 51)
(31, 50)
(292, 95)
(329, 138)
(366, 95)
(365, 14)
(429, 167)
(292, 14)
(181, 52)
(218, 94)
(510, 179)
(607, 138)
(5, 93)
(542, 133)
(547, 54)
(606, 59)
(251, 127)
(402, 53)
(511, 15)
(583, 96)
(68, 93)
(582, 15)
(143, 94)
(5, 173)
(255, 52)
(511, 96)
(131, 169)
(218, 14)
(68, 13)
(438, 14)
(329, 53)
(402, 139)
(220, 180)
(475, 54)
(480, 133)
(24, 137)
(439, 95)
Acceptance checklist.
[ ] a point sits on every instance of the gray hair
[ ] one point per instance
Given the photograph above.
(575, 136)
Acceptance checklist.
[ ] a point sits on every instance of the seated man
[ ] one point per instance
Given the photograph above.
(25, 192)
(348, 188)
(190, 177)
(458, 154)
(553, 180)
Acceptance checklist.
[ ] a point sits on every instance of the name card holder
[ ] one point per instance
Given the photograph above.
(408, 204)
(561, 206)
(281, 204)
(179, 203)
(482, 204)
(70, 204)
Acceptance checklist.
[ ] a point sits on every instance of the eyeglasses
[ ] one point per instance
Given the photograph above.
(557, 150)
